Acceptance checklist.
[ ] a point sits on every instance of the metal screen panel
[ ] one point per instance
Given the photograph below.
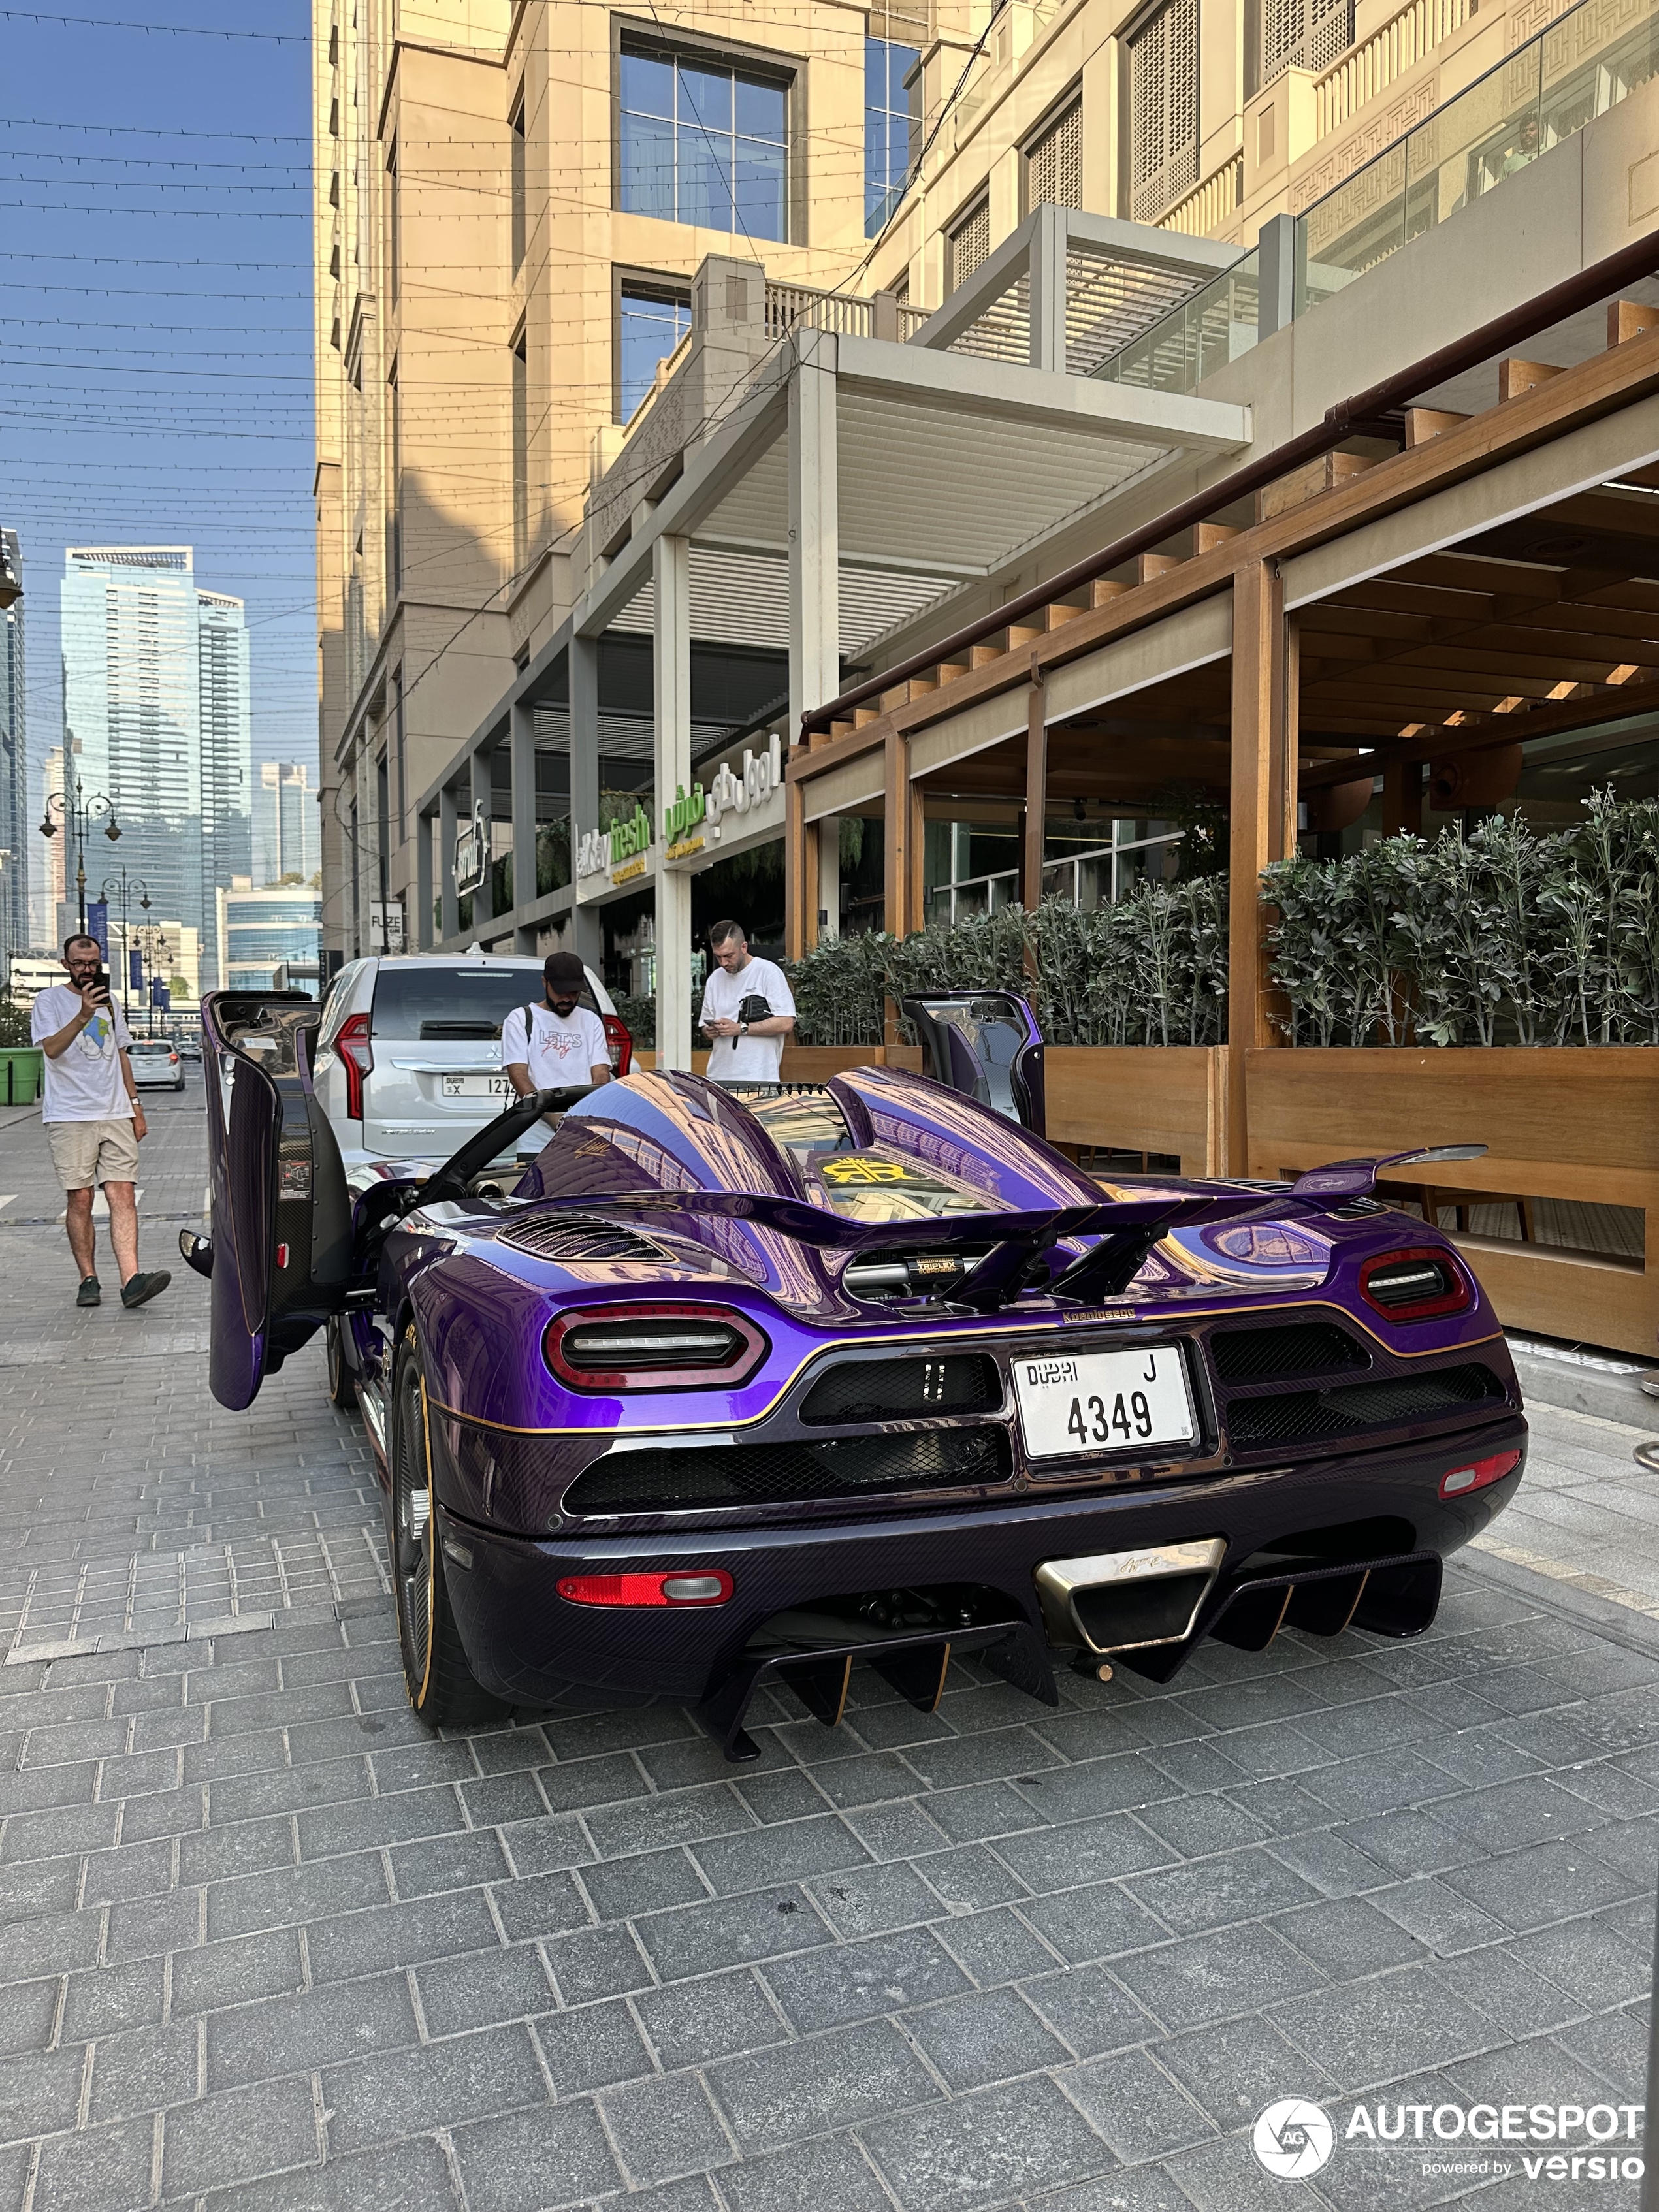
(1054, 162)
(1164, 109)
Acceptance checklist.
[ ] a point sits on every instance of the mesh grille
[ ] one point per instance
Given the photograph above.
(578, 1240)
(1310, 34)
(1054, 165)
(779, 1474)
(1164, 110)
(970, 244)
(901, 1389)
(1302, 1417)
(1257, 1355)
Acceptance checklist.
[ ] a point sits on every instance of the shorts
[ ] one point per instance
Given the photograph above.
(86, 1153)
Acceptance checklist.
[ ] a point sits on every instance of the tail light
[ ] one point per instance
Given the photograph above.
(1415, 1284)
(358, 1058)
(619, 1039)
(685, 1586)
(1479, 1473)
(653, 1347)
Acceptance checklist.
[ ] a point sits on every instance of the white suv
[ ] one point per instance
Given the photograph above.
(409, 1059)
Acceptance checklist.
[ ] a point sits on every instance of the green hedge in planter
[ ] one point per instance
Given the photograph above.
(1151, 970)
(1505, 936)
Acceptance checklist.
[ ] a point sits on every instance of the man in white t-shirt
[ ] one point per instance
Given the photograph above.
(566, 1045)
(743, 1046)
(93, 1119)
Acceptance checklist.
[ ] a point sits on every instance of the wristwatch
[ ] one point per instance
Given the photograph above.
(742, 1029)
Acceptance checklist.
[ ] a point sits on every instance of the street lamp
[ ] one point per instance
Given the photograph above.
(120, 891)
(77, 813)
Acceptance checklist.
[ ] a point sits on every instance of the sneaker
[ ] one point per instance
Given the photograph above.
(89, 1292)
(135, 1292)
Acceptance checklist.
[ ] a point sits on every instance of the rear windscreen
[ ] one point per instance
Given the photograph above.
(452, 1005)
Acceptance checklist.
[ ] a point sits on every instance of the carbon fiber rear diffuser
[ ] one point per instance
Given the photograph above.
(915, 1666)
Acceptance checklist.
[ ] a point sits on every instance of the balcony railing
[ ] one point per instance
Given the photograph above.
(1372, 66)
(1581, 64)
(1211, 204)
(800, 307)
(1577, 68)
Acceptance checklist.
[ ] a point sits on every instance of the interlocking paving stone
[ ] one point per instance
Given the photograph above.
(261, 1926)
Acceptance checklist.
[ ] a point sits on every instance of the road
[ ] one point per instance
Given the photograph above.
(273, 1946)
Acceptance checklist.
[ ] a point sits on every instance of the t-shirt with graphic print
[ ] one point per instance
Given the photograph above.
(564, 1051)
(83, 1084)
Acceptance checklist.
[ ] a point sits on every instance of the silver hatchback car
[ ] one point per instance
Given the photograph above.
(408, 1056)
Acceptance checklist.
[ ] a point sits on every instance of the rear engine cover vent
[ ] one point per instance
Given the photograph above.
(1307, 1417)
(1263, 1355)
(566, 1240)
(904, 1389)
(782, 1474)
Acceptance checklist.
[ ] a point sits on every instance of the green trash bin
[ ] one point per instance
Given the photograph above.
(21, 1078)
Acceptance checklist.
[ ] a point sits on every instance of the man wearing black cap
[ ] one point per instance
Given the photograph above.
(565, 1044)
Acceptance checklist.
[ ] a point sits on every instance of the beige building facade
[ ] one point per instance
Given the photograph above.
(514, 202)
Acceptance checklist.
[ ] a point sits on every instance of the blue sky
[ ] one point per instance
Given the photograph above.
(156, 320)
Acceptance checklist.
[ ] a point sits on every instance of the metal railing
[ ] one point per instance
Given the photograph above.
(1577, 68)
(1216, 323)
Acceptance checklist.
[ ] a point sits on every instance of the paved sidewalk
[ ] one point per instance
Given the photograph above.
(270, 1947)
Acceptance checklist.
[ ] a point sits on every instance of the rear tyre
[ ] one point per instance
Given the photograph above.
(440, 1685)
(341, 1390)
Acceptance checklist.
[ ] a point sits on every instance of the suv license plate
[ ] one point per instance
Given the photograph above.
(1103, 1401)
(477, 1086)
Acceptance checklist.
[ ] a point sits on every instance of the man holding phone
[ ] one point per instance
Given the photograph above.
(93, 1118)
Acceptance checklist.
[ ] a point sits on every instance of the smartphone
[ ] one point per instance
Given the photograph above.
(101, 981)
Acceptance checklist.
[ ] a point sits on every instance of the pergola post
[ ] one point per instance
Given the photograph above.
(449, 918)
(799, 870)
(814, 531)
(671, 689)
(902, 873)
(522, 742)
(1047, 288)
(582, 685)
(1036, 793)
(1263, 819)
(484, 899)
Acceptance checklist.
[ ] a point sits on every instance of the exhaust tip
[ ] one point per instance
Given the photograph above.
(1127, 1600)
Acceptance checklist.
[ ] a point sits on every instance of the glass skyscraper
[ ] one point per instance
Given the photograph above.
(157, 717)
(287, 828)
(16, 934)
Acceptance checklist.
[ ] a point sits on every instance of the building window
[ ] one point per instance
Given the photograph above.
(886, 129)
(516, 128)
(652, 318)
(1303, 35)
(967, 244)
(1164, 110)
(1054, 162)
(520, 451)
(702, 140)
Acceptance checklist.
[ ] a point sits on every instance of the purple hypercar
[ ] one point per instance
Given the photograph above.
(717, 1388)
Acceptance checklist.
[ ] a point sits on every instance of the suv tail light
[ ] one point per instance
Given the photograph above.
(653, 1347)
(685, 1586)
(620, 1040)
(358, 1058)
(1479, 1473)
(1415, 1284)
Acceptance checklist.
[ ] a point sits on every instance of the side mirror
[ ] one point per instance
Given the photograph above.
(195, 1251)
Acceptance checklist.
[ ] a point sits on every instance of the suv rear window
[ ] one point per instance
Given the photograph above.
(440, 1006)
(150, 1044)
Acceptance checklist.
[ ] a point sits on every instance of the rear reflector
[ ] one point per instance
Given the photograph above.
(282, 1256)
(1479, 1474)
(1415, 1284)
(699, 1586)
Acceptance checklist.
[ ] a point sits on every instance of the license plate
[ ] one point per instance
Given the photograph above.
(477, 1086)
(1096, 1401)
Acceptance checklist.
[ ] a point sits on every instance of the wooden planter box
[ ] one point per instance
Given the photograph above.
(1142, 1098)
(1558, 1122)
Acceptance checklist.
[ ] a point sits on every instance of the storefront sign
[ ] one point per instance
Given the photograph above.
(471, 852)
(741, 791)
(619, 852)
